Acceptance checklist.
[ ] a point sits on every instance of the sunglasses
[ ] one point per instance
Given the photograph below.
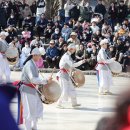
(52, 44)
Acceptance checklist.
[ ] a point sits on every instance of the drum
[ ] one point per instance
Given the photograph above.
(115, 67)
(51, 91)
(78, 77)
(12, 55)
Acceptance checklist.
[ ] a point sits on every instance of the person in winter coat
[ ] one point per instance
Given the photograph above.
(122, 11)
(100, 8)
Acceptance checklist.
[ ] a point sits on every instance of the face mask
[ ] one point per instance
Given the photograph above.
(89, 49)
(56, 32)
(12, 16)
(26, 46)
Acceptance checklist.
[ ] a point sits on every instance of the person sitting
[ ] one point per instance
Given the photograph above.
(81, 55)
(52, 55)
(112, 51)
(93, 57)
(61, 45)
(78, 29)
(94, 27)
(57, 25)
(106, 30)
(28, 23)
(48, 32)
(11, 21)
(25, 53)
(126, 60)
(74, 39)
(12, 33)
(36, 41)
(26, 34)
(56, 35)
(41, 24)
(65, 32)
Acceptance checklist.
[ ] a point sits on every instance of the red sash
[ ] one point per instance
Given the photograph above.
(29, 85)
(64, 70)
(100, 64)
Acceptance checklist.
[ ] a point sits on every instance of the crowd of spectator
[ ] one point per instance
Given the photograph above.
(29, 27)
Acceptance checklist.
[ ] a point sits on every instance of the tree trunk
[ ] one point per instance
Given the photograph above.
(62, 2)
(48, 8)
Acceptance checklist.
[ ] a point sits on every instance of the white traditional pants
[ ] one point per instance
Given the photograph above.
(68, 91)
(105, 80)
(32, 108)
(4, 69)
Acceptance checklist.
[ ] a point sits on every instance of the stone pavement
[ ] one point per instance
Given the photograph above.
(83, 118)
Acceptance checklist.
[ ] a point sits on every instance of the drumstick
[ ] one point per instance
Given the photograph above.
(52, 72)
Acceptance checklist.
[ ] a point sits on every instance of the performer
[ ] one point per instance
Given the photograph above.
(66, 64)
(103, 72)
(4, 66)
(32, 105)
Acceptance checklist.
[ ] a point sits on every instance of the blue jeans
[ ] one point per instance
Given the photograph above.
(67, 19)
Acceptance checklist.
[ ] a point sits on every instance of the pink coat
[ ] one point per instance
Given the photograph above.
(39, 63)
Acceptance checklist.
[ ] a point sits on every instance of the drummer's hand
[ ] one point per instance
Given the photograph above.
(50, 80)
(43, 98)
(114, 58)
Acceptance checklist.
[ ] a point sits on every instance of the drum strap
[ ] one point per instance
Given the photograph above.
(67, 72)
(29, 85)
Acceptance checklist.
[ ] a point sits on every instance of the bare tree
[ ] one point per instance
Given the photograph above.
(62, 2)
(52, 7)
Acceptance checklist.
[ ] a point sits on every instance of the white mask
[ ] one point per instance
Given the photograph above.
(56, 32)
(26, 46)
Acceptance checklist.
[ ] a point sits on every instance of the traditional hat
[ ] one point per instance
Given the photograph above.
(52, 41)
(35, 51)
(73, 33)
(42, 50)
(104, 41)
(71, 46)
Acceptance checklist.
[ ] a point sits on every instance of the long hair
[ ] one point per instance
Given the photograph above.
(29, 58)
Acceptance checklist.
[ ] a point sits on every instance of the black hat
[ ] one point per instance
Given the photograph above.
(48, 24)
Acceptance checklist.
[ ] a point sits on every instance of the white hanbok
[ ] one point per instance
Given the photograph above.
(68, 89)
(103, 72)
(4, 65)
(32, 105)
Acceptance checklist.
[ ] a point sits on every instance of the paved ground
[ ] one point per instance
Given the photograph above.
(85, 117)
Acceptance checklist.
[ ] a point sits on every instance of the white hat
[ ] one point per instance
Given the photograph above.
(3, 33)
(42, 50)
(71, 46)
(52, 41)
(73, 33)
(104, 41)
(35, 51)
